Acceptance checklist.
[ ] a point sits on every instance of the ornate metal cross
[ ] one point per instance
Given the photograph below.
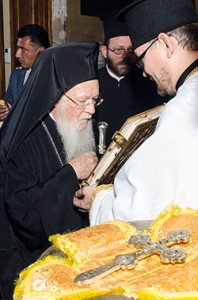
(128, 261)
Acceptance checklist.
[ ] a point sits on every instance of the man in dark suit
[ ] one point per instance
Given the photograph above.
(32, 39)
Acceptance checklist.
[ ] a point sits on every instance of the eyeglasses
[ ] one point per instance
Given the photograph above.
(119, 51)
(83, 104)
(139, 61)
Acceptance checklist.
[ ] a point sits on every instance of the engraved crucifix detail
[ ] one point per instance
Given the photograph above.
(128, 261)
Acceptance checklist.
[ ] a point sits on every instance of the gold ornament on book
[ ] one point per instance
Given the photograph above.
(124, 143)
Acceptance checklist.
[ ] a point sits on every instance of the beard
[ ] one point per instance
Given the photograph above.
(76, 141)
(118, 68)
(164, 85)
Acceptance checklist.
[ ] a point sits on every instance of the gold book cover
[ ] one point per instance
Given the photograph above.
(124, 143)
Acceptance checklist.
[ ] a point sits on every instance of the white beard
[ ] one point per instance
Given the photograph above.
(76, 141)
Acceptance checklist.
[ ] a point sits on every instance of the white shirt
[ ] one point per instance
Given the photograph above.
(163, 170)
(26, 75)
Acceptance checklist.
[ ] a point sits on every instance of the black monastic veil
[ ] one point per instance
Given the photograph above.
(56, 70)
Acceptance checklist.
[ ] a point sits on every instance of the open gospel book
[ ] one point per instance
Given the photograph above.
(131, 135)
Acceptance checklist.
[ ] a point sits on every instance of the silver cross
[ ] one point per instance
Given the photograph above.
(128, 261)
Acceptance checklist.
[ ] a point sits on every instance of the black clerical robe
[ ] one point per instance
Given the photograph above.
(39, 200)
(36, 187)
(122, 99)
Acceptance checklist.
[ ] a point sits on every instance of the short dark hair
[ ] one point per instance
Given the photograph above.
(187, 36)
(38, 34)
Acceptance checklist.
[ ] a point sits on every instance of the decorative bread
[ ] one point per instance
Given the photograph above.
(85, 245)
(53, 277)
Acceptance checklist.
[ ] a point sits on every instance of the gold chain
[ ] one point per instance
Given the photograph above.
(195, 70)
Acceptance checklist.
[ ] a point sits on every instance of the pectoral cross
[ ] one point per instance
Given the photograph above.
(128, 261)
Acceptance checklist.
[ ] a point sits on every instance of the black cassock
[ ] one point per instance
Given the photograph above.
(36, 185)
(40, 192)
(122, 99)
(39, 200)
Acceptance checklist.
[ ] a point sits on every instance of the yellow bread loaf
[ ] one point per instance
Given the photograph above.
(101, 241)
(53, 278)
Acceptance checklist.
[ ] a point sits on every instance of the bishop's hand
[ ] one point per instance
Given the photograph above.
(84, 164)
